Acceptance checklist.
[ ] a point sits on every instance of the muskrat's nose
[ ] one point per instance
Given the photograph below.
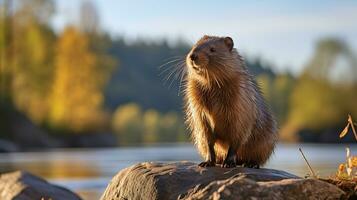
(193, 56)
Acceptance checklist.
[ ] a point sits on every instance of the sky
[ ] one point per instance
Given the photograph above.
(282, 33)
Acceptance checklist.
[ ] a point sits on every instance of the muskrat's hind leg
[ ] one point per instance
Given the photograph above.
(231, 158)
(211, 157)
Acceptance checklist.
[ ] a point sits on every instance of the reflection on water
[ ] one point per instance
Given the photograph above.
(87, 171)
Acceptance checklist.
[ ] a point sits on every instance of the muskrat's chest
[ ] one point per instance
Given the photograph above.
(211, 104)
(207, 100)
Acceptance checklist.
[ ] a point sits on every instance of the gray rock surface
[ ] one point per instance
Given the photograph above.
(185, 180)
(21, 185)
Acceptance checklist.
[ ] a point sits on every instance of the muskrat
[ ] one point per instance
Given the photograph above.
(229, 120)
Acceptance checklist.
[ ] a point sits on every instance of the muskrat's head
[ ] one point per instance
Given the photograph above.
(212, 60)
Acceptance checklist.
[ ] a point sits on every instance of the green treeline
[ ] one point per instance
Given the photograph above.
(82, 80)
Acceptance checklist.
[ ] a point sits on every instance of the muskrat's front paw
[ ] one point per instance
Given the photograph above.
(251, 165)
(229, 163)
(207, 164)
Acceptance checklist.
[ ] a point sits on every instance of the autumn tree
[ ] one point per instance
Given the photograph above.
(323, 94)
(127, 123)
(76, 100)
(5, 37)
(31, 64)
(134, 125)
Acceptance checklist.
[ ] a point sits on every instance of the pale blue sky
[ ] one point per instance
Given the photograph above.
(281, 32)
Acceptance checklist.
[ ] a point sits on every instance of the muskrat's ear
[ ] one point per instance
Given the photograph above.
(229, 43)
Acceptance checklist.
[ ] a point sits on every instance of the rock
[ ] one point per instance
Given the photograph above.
(185, 180)
(242, 188)
(21, 185)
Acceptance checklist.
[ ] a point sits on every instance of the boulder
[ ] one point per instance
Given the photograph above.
(186, 180)
(21, 185)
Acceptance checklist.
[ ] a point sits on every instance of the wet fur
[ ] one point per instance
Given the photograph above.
(224, 106)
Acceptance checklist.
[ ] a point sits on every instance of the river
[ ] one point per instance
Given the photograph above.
(88, 171)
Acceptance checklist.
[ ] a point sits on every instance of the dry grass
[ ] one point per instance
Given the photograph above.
(348, 170)
(346, 175)
(308, 164)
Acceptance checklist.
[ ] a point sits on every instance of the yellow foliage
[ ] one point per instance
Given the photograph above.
(127, 122)
(134, 125)
(315, 104)
(31, 72)
(128, 114)
(151, 124)
(76, 93)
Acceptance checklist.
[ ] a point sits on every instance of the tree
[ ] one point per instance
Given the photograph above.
(151, 120)
(127, 123)
(325, 60)
(316, 104)
(5, 50)
(31, 54)
(319, 100)
(133, 125)
(277, 91)
(76, 98)
(89, 17)
(39, 11)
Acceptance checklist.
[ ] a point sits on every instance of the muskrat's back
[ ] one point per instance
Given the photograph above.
(225, 110)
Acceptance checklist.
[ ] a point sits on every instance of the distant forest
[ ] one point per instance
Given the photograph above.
(80, 86)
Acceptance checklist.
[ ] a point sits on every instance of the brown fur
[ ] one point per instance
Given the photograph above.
(224, 105)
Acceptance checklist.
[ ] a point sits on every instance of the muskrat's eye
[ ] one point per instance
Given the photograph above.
(212, 49)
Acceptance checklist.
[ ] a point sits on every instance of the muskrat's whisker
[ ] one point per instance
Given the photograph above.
(177, 75)
(167, 70)
(174, 73)
(171, 73)
(173, 57)
(174, 76)
(183, 73)
(171, 61)
(170, 68)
